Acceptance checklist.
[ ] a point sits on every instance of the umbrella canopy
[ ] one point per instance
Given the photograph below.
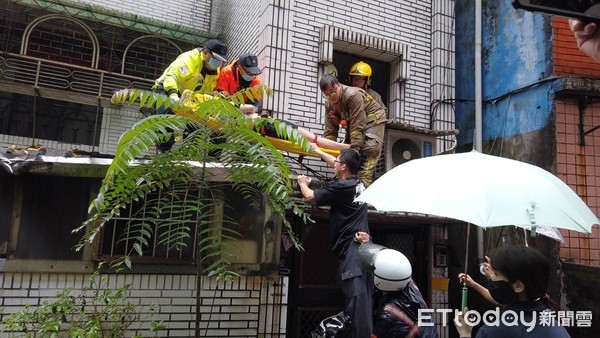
(481, 189)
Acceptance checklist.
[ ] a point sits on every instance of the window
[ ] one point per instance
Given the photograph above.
(43, 118)
(257, 243)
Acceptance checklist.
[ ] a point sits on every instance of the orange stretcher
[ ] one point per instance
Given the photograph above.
(280, 144)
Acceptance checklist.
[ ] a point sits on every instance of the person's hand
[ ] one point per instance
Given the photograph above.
(174, 97)
(464, 330)
(486, 268)
(248, 109)
(362, 237)
(464, 278)
(587, 36)
(302, 179)
(315, 147)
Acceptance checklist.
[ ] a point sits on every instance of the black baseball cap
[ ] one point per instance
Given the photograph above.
(218, 48)
(250, 63)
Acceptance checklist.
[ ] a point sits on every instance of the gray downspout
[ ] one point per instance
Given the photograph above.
(478, 106)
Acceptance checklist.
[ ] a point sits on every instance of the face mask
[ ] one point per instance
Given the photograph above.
(247, 77)
(502, 291)
(214, 63)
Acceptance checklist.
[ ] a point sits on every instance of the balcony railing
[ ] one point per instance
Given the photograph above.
(20, 70)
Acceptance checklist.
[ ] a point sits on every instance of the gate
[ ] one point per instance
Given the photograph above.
(314, 293)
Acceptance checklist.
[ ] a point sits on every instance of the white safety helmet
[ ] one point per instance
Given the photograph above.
(392, 270)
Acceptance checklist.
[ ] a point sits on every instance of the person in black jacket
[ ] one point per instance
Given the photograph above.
(397, 311)
(346, 217)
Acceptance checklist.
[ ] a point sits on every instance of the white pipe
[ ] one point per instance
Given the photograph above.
(477, 142)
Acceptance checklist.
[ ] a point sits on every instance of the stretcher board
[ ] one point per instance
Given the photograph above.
(280, 144)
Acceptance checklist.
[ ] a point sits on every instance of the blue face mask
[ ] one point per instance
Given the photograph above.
(247, 77)
(214, 63)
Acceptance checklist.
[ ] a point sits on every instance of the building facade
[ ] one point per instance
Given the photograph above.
(61, 61)
(539, 98)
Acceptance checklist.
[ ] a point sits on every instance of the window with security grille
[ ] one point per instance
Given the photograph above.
(48, 119)
(239, 221)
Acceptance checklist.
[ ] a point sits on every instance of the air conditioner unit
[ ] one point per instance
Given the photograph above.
(402, 146)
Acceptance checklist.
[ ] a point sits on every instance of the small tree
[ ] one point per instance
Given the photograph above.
(252, 164)
(96, 311)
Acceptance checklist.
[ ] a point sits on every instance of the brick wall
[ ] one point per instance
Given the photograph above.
(189, 13)
(288, 47)
(575, 164)
(579, 168)
(568, 59)
(114, 123)
(247, 307)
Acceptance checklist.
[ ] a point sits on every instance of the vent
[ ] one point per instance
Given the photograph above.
(402, 146)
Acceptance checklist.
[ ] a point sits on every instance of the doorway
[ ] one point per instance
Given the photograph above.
(313, 291)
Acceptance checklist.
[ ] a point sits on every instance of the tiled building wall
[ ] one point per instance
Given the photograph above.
(238, 23)
(189, 13)
(114, 123)
(247, 307)
(407, 22)
(568, 59)
(579, 167)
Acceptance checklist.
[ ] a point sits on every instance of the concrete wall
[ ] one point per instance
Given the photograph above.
(516, 60)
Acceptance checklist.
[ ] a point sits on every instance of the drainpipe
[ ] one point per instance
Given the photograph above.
(477, 142)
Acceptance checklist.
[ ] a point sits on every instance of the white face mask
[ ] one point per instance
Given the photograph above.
(214, 63)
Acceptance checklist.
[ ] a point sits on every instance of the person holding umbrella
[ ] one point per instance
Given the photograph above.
(520, 282)
(346, 219)
(481, 289)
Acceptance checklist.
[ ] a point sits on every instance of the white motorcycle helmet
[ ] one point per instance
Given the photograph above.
(392, 270)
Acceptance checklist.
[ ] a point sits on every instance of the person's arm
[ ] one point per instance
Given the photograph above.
(357, 119)
(464, 330)
(321, 141)
(329, 159)
(308, 193)
(332, 124)
(587, 36)
(480, 289)
(173, 76)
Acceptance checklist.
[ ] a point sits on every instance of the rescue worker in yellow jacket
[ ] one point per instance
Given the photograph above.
(360, 115)
(196, 70)
(360, 76)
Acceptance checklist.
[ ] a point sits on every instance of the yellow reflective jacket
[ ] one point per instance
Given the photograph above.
(188, 72)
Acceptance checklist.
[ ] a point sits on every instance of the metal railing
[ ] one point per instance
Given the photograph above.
(25, 70)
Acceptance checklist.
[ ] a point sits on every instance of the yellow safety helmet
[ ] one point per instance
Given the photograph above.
(361, 69)
(330, 68)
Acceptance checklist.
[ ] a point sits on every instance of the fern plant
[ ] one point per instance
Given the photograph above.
(248, 162)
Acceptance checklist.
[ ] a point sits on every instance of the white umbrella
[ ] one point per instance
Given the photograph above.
(481, 189)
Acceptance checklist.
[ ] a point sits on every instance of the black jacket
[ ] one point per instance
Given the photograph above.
(397, 315)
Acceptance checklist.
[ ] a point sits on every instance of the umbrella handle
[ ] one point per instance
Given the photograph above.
(465, 290)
